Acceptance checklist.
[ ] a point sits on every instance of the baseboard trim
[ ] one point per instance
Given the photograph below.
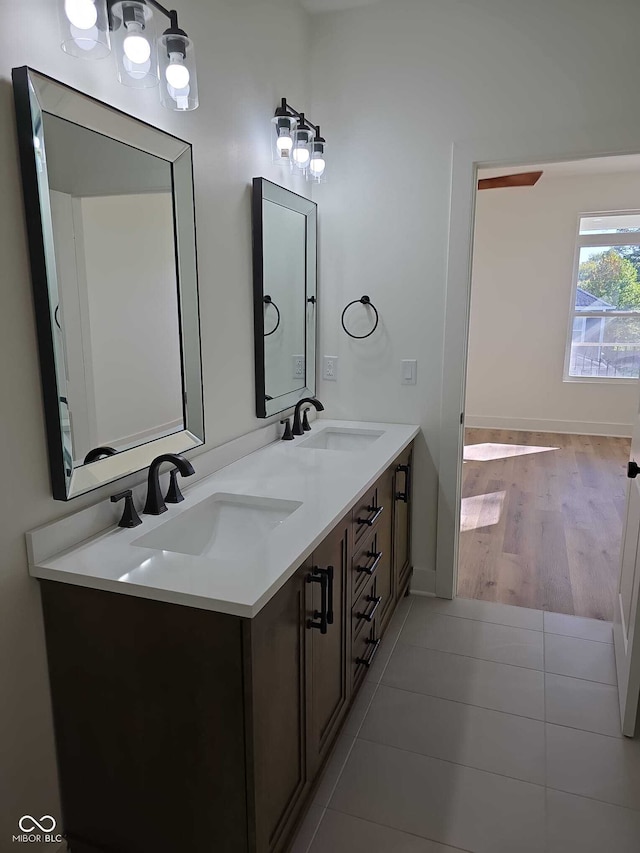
(423, 582)
(611, 430)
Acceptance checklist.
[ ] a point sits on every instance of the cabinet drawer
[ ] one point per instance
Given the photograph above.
(366, 608)
(364, 650)
(366, 562)
(365, 628)
(367, 514)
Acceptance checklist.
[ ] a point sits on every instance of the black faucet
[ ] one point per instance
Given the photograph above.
(297, 424)
(130, 517)
(155, 504)
(287, 435)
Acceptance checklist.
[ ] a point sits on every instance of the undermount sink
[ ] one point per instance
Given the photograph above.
(342, 438)
(220, 527)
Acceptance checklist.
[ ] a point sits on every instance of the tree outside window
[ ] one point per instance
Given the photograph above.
(605, 331)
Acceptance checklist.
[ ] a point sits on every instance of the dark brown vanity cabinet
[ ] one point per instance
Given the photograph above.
(300, 692)
(276, 645)
(402, 472)
(186, 729)
(329, 690)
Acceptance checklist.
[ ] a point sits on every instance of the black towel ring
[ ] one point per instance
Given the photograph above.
(269, 301)
(364, 301)
(98, 453)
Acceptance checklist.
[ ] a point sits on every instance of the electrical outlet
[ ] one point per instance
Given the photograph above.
(330, 368)
(298, 367)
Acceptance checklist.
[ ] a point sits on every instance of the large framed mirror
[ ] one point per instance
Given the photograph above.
(285, 294)
(110, 217)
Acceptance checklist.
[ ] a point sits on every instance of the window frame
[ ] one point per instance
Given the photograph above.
(587, 241)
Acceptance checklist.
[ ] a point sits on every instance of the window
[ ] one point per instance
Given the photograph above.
(604, 339)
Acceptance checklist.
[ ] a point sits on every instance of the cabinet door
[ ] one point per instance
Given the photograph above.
(385, 571)
(328, 683)
(402, 521)
(276, 709)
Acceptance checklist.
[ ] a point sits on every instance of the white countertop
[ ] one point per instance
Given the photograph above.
(326, 483)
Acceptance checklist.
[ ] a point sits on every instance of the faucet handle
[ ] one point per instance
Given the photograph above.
(287, 435)
(174, 495)
(130, 517)
(306, 426)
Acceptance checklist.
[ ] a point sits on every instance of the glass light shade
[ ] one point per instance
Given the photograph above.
(134, 43)
(178, 79)
(283, 137)
(84, 28)
(301, 154)
(317, 171)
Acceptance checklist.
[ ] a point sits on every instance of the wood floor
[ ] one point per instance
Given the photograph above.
(541, 522)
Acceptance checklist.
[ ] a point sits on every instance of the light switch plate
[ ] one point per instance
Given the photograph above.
(409, 372)
(330, 368)
(298, 367)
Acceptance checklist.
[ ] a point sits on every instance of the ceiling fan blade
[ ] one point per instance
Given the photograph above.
(522, 179)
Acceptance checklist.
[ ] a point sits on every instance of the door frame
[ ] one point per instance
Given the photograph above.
(550, 146)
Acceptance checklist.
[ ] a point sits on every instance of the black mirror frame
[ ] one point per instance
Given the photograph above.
(267, 190)
(113, 467)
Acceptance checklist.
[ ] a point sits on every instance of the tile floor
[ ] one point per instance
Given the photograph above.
(483, 728)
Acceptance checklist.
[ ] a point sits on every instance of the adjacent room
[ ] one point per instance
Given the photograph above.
(552, 390)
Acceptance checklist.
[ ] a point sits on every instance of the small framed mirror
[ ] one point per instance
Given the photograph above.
(285, 294)
(111, 224)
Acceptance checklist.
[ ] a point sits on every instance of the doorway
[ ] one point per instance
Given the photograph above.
(542, 520)
(553, 364)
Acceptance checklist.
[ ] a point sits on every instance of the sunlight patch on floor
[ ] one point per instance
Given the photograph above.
(489, 452)
(481, 511)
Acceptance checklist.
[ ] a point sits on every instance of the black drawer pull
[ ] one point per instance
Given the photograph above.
(377, 512)
(330, 594)
(368, 661)
(369, 570)
(368, 617)
(324, 616)
(404, 496)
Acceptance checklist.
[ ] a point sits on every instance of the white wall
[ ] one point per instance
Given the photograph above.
(523, 267)
(398, 83)
(250, 54)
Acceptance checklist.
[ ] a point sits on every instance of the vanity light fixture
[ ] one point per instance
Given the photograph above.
(317, 163)
(298, 143)
(302, 144)
(134, 44)
(285, 125)
(84, 28)
(90, 28)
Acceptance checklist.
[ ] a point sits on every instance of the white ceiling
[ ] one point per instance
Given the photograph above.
(334, 5)
(593, 166)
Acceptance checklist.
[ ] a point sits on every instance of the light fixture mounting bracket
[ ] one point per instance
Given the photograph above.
(171, 14)
(285, 109)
